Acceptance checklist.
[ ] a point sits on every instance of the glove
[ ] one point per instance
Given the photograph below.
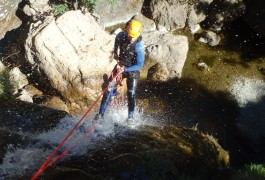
(120, 69)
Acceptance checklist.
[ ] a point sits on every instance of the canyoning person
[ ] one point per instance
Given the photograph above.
(129, 53)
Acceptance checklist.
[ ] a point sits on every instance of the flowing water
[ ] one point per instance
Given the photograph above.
(29, 151)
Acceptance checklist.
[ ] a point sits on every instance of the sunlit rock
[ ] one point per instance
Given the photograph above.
(167, 50)
(119, 12)
(171, 15)
(197, 12)
(37, 8)
(18, 78)
(148, 24)
(8, 17)
(194, 28)
(210, 38)
(71, 52)
(203, 66)
(24, 95)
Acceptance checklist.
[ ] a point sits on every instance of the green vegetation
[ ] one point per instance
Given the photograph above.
(7, 87)
(112, 2)
(59, 9)
(90, 4)
(255, 171)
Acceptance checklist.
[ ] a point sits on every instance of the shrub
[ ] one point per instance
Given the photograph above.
(7, 88)
(255, 171)
(91, 4)
(112, 2)
(59, 9)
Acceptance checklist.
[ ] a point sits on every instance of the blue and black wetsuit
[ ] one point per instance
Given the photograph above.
(130, 55)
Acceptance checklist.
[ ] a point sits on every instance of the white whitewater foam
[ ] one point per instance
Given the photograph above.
(19, 161)
(246, 90)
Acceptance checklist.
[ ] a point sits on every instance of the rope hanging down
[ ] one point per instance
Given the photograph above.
(50, 159)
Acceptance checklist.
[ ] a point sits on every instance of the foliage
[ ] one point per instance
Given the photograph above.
(7, 87)
(59, 9)
(112, 2)
(256, 171)
(91, 4)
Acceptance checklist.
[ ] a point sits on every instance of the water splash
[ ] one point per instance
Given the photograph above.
(246, 90)
(20, 161)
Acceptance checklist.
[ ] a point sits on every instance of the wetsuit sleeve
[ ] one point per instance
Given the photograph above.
(139, 50)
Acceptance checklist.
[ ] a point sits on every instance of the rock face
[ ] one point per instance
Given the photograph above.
(36, 8)
(70, 52)
(165, 55)
(119, 12)
(197, 12)
(169, 15)
(221, 13)
(8, 18)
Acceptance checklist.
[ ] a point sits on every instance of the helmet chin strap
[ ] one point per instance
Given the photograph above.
(130, 39)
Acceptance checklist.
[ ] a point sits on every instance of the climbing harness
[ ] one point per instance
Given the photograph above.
(115, 74)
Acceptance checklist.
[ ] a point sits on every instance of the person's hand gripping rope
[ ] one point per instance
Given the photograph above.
(120, 70)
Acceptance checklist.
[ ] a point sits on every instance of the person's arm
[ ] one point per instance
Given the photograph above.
(139, 50)
(116, 45)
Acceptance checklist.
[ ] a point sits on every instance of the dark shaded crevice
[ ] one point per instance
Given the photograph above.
(146, 11)
(241, 37)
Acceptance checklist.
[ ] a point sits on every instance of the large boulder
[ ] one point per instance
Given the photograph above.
(197, 12)
(165, 55)
(70, 54)
(119, 12)
(169, 15)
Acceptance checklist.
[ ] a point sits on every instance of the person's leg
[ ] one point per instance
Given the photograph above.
(131, 93)
(105, 100)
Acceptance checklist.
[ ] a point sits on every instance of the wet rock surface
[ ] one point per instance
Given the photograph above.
(149, 152)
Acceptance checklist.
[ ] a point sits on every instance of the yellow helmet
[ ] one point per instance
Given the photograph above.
(134, 28)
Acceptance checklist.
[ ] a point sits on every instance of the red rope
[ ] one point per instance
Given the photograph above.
(48, 162)
(69, 149)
